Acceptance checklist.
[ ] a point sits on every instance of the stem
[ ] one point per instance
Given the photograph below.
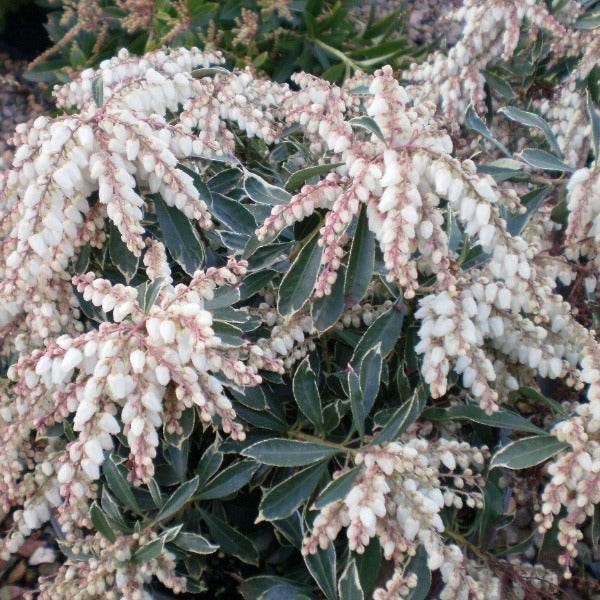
(307, 437)
(339, 54)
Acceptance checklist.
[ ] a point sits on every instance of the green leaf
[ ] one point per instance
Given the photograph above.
(228, 481)
(501, 419)
(147, 293)
(368, 565)
(298, 178)
(306, 394)
(322, 567)
(326, 311)
(356, 404)
(337, 489)
(264, 193)
(527, 452)
(418, 566)
(385, 330)
(349, 587)
(361, 261)
(534, 394)
(595, 123)
(180, 237)
(100, 522)
(210, 462)
(540, 159)
(403, 418)
(369, 124)
(229, 334)
(195, 543)
(299, 282)
(532, 201)
(178, 499)
(499, 85)
(119, 485)
(254, 588)
(230, 540)
(113, 512)
(280, 452)
(98, 91)
(285, 497)
(233, 214)
(120, 255)
(148, 552)
(532, 120)
(370, 377)
(587, 21)
(474, 122)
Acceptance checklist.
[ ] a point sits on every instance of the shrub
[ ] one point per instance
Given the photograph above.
(300, 325)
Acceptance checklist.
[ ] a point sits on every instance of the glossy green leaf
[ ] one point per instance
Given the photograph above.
(298, 283)
(180, 237)
(228, 481)
(532, 120)
(230, 540)
(148, 552)
(369, 124)
(289, 453)
(322, 567)
(298, 178)
(403, 418)
(263, 192)
(119, 485)
(474, 122)
(418, 566)
(385, 330)
(337, 489)
(370, 377)
(527, 452)
(501, 419)
(121, 256)
(195, 543)
(147, 293)
(306, 394)
(326, 311)
(595, 124)
(540, 159)
(101, 523)
(283, 499)
(349, 587)
(361, 261)
(532, 201)
(178, 499)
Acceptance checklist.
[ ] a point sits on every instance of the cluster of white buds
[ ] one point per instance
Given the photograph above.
(575, 474)
(491, 32)
(397, 497)
(107, 569)
(582, 236)
(290, 340)
(127, 376)
(119, 144)
(401, 177)
(481, 323)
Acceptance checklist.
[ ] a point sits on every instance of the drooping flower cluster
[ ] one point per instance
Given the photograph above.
(134, 376)
(101, 568)
(491, 32)
(397, 497)
(401, 173)
(119, 145)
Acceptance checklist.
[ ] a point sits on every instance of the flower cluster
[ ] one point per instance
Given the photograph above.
(132, 376)
(491, 32)
(397, 497)
(101, 568)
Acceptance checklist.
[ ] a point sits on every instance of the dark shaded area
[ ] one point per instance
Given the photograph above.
(24, 36)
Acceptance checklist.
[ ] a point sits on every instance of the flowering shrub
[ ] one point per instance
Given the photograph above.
(298, 329)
